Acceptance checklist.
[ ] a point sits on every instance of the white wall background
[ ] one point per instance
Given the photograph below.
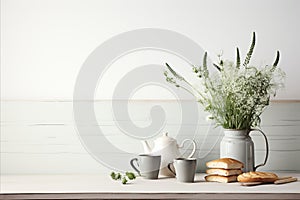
(45, 42)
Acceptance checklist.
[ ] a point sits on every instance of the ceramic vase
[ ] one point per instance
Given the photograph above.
(237, 144)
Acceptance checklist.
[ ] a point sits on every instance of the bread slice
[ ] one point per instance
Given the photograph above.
(224, 172)
(221, 179)
(265, 177)
(225, 163)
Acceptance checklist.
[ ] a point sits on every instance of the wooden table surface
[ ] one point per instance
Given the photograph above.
(102, 187)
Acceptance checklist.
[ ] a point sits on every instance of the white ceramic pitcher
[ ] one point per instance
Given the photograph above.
(238, 144)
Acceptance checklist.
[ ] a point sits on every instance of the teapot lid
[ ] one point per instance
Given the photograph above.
(164, 139)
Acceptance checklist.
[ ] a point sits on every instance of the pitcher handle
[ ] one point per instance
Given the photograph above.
(267, 148)
(194, 146)
(133, 166)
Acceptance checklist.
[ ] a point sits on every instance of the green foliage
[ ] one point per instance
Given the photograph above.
(217, 66)
(123, 178)
(118, 176)
(205, 70)
(113, 175)
(174, 73)
(235, 97)
(130, 175)
(250, 52)
(276, 61)
(238, 59)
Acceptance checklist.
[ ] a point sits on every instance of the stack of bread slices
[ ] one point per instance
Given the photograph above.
(224, 170)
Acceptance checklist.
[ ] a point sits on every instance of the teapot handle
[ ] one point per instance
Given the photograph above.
(267, 148)
(194, 146)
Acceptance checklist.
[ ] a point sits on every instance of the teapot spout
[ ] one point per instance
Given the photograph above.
(147, 148)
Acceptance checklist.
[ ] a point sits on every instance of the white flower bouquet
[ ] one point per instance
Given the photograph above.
(237, 95)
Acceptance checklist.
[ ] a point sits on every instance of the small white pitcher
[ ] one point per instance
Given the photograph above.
(238, 144)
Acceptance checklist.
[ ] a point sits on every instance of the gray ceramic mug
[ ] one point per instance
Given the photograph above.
(147, 165)
(185, 169)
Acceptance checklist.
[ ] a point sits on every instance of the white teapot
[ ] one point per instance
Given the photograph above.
(168, 148)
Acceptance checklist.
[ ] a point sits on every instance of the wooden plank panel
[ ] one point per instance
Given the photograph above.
(41, 137)
(67, 135)
(62, 112)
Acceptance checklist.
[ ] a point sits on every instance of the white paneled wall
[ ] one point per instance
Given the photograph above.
(41, 137)
(44, 44)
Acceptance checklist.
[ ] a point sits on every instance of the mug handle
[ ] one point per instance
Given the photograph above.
(133, 166)
(194, 146)
(267, 148)
(170, 169)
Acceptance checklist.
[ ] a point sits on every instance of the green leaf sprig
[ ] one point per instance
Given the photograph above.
(123, 177)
